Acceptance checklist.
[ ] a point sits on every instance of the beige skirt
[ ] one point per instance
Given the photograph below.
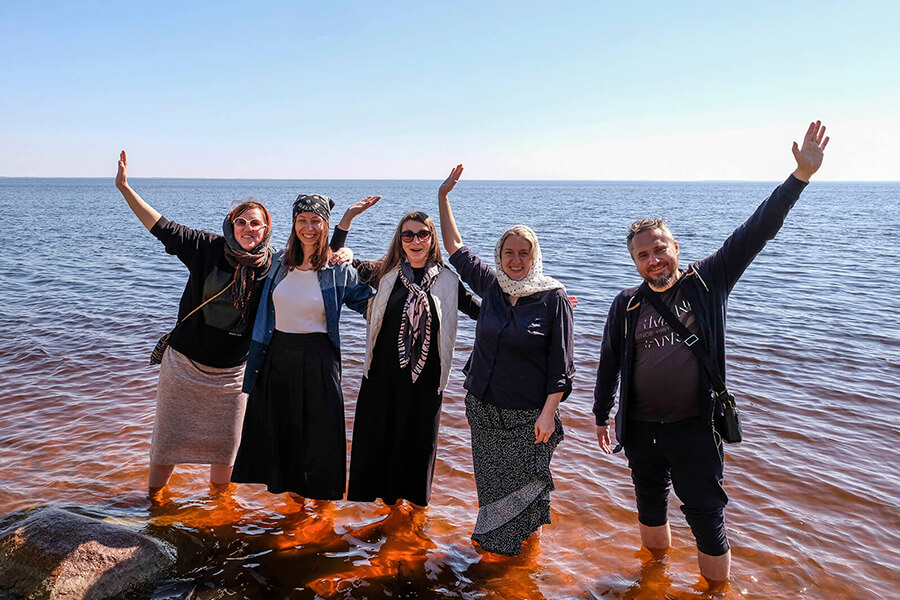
(199, 412)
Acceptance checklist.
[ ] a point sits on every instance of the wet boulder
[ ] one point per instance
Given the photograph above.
(52, 553)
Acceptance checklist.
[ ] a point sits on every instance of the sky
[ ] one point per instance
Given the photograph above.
(405, 90)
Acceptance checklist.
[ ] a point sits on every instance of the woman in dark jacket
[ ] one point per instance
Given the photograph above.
(521, 369)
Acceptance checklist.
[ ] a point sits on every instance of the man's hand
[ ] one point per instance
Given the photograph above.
(809, 155)
(603, 438)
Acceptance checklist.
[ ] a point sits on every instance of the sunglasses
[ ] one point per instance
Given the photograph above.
(252, 224)
(409, 236)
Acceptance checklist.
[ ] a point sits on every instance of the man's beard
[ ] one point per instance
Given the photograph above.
(663, 281)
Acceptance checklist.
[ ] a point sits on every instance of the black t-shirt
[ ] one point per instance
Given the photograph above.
(667, 375)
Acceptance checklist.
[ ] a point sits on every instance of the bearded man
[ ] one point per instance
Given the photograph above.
(667, 399)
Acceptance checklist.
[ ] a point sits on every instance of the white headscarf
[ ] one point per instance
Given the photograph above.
(535, 281)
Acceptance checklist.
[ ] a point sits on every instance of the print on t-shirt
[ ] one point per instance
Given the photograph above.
(653, 331)
(666, 373)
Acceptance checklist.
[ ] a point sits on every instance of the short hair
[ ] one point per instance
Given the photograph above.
(248, 204)
(643, 225)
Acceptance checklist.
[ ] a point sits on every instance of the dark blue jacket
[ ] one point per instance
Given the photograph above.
(706, 285)
(522, 353)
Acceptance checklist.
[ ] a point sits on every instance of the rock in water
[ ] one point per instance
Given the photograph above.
(51, 553)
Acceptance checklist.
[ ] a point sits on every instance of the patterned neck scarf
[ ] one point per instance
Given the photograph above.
(415, 327)
(250, 265)
(535, 281)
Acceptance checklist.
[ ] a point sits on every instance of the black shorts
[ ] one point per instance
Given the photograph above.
(686, 455)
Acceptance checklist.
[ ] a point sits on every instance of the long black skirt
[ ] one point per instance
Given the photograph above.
(294, 437)
(395, 432)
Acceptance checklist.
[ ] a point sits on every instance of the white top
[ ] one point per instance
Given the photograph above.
(298, 303)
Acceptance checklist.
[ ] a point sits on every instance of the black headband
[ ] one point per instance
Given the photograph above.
(314, 203)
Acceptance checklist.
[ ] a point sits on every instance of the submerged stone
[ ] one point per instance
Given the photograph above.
(52, 553)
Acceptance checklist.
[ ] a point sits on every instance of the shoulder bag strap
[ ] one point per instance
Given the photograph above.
(691, 340)
(204, 304)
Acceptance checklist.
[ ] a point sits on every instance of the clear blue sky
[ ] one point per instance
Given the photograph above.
(514, 90)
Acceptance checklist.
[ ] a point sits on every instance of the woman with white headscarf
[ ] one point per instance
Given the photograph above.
(521, 369)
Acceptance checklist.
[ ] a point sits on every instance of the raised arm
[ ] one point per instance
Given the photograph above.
(146, 213)
(341, 255)
(449, 232)
(809, 155)
(356, 209)
(729, 262)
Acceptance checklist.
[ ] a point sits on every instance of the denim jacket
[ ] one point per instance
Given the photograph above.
(340, 285)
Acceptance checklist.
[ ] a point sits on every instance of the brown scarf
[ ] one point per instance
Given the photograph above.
(249, 266)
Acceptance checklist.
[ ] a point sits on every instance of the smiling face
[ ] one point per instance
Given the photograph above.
(655, 254)
(515, 257)
(310, 228)
(250, 228)
(417, 241)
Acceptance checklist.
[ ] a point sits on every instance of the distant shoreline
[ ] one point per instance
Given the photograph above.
(644, 181)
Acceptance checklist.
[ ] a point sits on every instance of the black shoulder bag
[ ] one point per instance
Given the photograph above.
(726, 418)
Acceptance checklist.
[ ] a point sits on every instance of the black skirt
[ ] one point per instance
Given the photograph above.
(397, 420)
(294, 437)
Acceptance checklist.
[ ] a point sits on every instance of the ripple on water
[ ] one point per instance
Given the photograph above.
(814, 498)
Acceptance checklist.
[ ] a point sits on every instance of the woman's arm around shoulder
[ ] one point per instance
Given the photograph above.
(468, 303)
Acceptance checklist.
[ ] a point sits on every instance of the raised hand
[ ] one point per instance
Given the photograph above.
(809, 155)
(449, 230)
(146, 213)
(450, 182)
(363, 205)
(356, 209)
(122, 173)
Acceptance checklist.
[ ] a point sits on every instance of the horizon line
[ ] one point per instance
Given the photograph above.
(438, 180)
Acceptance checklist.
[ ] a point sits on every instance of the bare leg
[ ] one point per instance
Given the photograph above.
(159, 476)
(220, 475)
(715, 569)
(656, 539)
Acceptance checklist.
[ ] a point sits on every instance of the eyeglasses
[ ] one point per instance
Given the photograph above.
(252, 224)
(408, 236)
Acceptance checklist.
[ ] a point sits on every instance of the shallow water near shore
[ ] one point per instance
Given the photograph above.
(814, 359)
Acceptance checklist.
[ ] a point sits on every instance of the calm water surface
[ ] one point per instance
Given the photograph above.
(814, 351)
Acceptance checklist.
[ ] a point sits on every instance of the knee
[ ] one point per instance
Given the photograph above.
(652, 498)
(708, 527)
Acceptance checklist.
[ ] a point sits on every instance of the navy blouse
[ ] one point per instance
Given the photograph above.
(523, 352)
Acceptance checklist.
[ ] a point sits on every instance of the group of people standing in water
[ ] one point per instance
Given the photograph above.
(251, 381)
